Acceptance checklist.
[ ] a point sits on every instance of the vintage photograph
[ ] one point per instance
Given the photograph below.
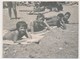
(40, 29)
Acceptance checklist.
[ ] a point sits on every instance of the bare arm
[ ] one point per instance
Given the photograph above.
(28, 35)
(31, 27)
(47, 25)
(63, 26)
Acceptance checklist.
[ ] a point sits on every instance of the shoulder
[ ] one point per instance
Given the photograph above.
(16, 32)
(51, 17)
(54, 17)
(10, 35)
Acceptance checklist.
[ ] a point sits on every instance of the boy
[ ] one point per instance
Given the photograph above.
(56, 21)
(41, 22)
(18, 33)
(66, 17)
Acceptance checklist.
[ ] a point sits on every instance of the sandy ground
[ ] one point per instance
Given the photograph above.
(55, 44)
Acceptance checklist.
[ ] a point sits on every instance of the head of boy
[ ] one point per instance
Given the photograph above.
(60, 16)
(67, 15)
(21, 26)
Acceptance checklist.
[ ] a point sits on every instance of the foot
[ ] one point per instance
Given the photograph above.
(16, 18)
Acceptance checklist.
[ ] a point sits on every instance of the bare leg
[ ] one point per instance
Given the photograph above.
(15, 13)
(10, 13)
(14, 9)
(31, 27)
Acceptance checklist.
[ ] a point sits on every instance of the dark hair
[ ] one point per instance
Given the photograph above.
(60, 15)
(40, 15)
(68, 13)
(21, 23)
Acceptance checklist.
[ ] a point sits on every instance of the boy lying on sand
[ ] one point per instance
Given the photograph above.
(18, 33)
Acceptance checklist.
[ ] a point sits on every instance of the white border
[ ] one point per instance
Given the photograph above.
(1, 22)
